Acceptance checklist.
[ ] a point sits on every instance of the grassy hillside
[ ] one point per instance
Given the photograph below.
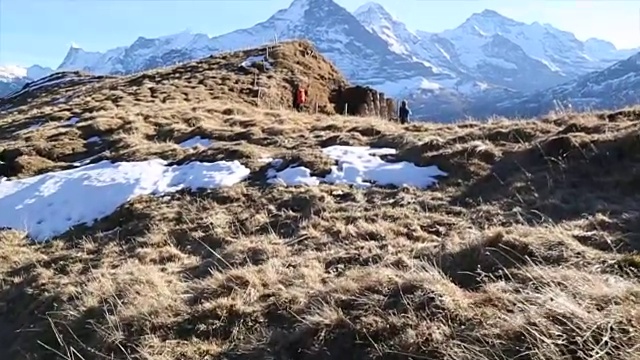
(528, 249)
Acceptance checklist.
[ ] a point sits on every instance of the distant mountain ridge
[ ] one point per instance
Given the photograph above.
(486, 59)
(614, 87)
(13, 78)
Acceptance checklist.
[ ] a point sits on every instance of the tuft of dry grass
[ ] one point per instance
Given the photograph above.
(528, 250)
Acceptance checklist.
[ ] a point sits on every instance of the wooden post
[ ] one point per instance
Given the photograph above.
(345, 108)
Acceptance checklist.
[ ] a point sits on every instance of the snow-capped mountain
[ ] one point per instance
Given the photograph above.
(143, 54)
(493, 49)
(13, 78)
(400, 40)
(614, 87)
(362, 56)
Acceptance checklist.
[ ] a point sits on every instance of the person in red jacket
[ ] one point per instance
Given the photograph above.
(301, 98)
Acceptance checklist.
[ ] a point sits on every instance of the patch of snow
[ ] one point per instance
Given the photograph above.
(548, 64)
(87, 160)
(256, 59)
(472, 87)
(47, 205)
(30, 128)
(195, 141)
(94, 139)
(444, 53)
(292, 177)
(72, 121)
(361, 166)
(61, 100)
(500, 62)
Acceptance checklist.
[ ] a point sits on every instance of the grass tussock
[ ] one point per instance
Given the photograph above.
(528, 250)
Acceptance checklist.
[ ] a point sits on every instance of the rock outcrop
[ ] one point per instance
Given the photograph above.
(363, 101)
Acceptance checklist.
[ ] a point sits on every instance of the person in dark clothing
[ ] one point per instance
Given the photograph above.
(404, 112)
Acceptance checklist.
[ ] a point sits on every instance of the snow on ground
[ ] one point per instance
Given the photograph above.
(256, 59)
(60, 100)
(195, 141)
(30, 128)
(72, 121)
(94, 139)
(48, 205)
(360, 166)
(292, 176)
(87, 160)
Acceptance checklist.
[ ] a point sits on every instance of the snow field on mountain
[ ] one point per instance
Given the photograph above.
(47, 205)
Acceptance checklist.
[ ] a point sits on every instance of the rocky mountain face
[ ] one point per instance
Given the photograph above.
(488, 59)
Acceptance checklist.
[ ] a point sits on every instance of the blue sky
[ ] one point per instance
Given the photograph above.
(41, 31)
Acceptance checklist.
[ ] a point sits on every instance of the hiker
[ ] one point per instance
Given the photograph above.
(301, 98)
(404, 112)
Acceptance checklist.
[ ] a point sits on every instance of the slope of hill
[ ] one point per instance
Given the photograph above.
(524, 244)
(263, 76)
(614, 87)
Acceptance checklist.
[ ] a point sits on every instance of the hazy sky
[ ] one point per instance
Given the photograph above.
(41, 31)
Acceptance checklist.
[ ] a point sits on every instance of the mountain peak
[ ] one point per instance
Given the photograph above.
(490, 16)
(490, 13)
(373, 8)
(309, 3)
(375, 17)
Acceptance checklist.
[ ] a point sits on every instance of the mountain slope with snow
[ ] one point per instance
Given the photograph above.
(492, 48)
(558, 50)
(361, 55)
(13, 78)
(614, 87)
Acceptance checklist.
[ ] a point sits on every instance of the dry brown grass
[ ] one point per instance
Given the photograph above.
(528, 250)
